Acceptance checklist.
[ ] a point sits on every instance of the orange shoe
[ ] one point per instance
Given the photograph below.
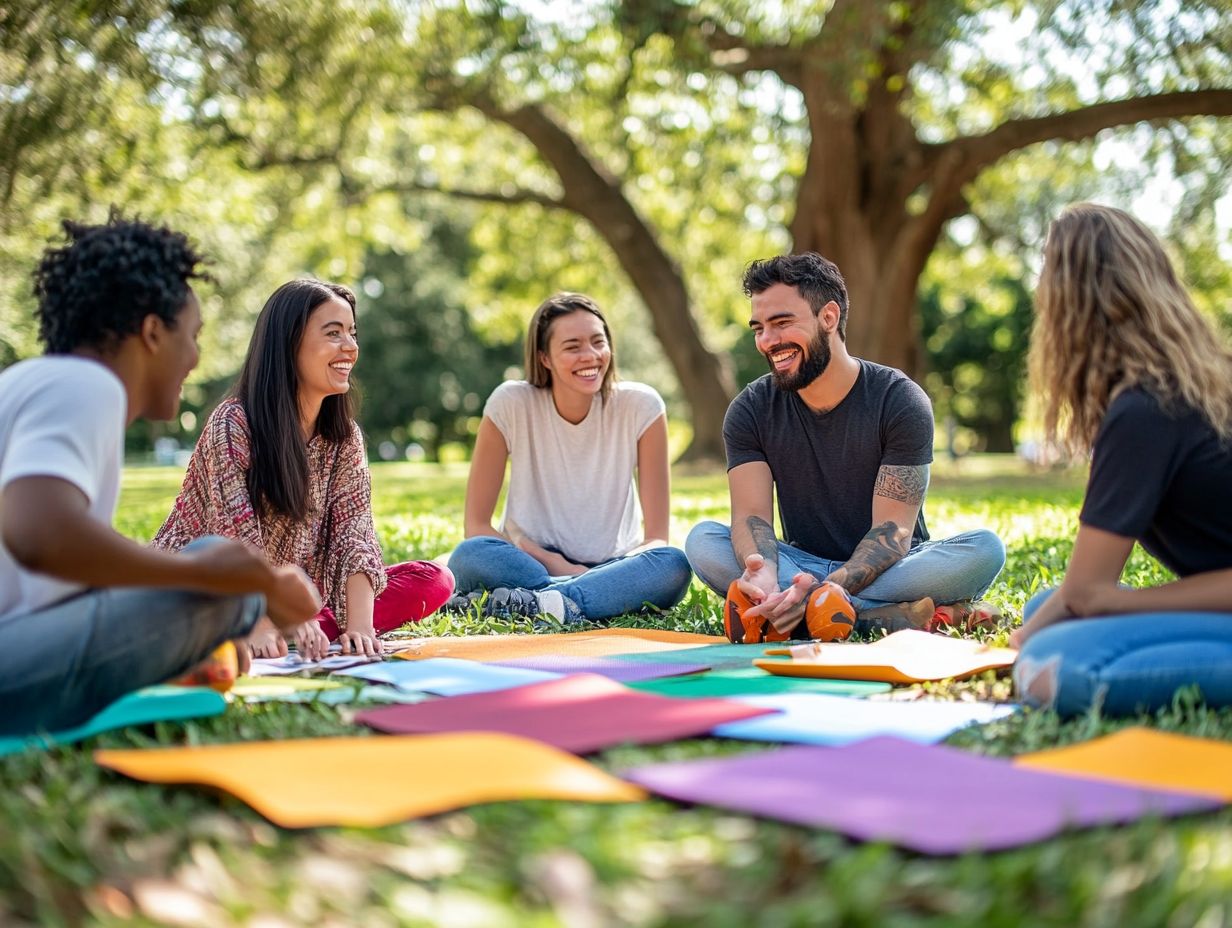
(218, 671)
(829, 615)
(746, 631)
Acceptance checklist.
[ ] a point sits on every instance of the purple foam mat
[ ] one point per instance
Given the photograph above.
(931, 799)
(613, 669)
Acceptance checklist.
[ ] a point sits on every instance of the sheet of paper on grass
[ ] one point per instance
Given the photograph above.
(579, 713)
(753, 681)
(387, 780)
(1145, 757)
(142, 707)
(718, 656)
(447, 676)
(813, 718)
(622, 671)
(293, 689)
(904, 657)
(294, 664)
(599, 643)
(929, 798)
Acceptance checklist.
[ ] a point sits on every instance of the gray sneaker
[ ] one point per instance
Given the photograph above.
(463, 603)
(515, 601)
(505, 601)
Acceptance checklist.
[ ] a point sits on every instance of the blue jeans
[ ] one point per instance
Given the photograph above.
(1125, 664)
(658, 577)
(61, 665)
(948, 570)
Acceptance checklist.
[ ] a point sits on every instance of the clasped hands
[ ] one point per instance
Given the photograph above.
(784, 609)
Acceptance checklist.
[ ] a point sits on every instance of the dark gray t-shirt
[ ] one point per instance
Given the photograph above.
(1162, 478)
(825, 464)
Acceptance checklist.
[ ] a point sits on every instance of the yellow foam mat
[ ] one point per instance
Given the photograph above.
(388, 779)
(1145, 757)
(600, 643)
(905, 657)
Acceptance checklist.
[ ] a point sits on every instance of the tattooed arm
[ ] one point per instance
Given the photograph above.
(897, 497)
(752, 531)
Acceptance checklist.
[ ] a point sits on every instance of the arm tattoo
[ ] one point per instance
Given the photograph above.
(762, 533)
(878, 551)
(906, 484)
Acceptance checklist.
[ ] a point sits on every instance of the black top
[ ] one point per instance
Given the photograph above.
(825, 464)
(1163, 478)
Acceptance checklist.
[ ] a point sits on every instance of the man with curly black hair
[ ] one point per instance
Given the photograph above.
(86, 614)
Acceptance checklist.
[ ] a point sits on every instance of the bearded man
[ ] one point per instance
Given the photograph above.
(846, 446)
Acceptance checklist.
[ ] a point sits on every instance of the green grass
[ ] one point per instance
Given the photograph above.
(81, 845)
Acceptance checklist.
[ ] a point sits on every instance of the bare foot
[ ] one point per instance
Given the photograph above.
(896, 616)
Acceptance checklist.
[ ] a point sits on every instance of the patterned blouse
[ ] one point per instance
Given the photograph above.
(335, 541)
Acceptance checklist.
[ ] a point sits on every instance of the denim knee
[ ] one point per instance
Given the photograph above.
(676, 575)
(988, 555)
(467, 561)
(709, 553)
(1127, 664)
(232, 616)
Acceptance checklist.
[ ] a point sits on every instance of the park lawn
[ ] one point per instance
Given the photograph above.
(82, 845)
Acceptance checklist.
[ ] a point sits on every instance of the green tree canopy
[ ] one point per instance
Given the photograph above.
(643, 146)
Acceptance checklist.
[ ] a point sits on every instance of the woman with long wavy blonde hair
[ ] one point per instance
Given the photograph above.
(1129, 370)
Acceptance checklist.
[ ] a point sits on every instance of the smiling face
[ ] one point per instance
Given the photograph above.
(327, 351)
(793, 340)
(175, 355)
(578, 354)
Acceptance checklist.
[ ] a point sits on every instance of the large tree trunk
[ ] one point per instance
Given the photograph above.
(882, 274)
(851, 208)
(866, 165)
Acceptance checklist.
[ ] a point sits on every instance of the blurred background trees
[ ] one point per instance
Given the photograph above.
(457, 162)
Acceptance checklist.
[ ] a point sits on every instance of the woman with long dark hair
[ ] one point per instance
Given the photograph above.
(280, 465)
(578, 538)
(1129, 370)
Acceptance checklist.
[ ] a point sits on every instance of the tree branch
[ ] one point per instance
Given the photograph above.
(734, 54)
(516, 197)
(594, 193)
(977, 152)
(267, 159)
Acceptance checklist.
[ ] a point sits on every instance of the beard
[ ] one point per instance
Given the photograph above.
(813, 363)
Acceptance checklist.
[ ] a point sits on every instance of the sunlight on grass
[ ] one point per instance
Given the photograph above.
(80, 845)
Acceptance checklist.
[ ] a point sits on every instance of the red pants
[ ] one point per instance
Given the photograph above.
(416, 589)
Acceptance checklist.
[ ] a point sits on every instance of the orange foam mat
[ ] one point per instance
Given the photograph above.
(1145, 757)
(600, 643)
(389, 779)
(905, 657)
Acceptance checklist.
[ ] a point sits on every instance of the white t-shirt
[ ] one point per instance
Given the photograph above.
(60, 416)
(571, 486)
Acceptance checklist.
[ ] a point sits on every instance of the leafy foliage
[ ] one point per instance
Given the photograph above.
(312, 138)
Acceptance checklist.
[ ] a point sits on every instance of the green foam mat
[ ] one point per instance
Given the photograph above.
(713, 655)
(143, 707)
(752, 681)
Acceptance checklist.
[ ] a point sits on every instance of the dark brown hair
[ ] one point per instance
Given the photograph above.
(817, 279)
(539, 334)
(268, 389)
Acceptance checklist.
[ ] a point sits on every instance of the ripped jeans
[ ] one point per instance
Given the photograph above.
(1125, 664)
